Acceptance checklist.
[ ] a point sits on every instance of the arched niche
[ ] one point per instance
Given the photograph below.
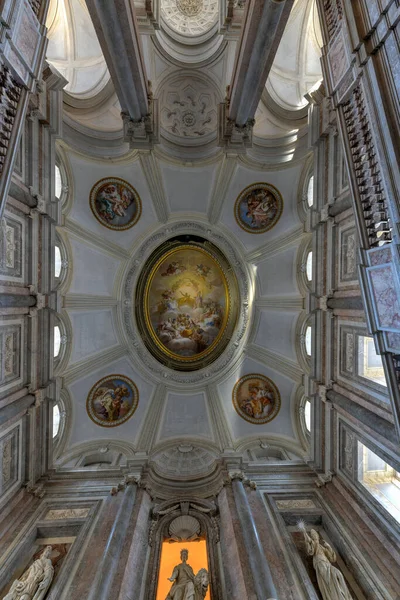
(205, 512)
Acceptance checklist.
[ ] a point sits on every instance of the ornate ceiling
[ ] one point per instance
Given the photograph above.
(135, 317)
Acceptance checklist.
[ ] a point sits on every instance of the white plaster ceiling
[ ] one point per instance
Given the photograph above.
(189, 190)
(296, 68)
(99, 259)
(74, 49)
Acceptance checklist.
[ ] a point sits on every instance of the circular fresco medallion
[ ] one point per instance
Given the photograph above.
(258, 207)
(256, 398)
(115, 203)
(112, 400)
(186, 314)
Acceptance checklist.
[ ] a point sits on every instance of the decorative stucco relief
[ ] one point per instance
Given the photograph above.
(190, 17)
(189, 109)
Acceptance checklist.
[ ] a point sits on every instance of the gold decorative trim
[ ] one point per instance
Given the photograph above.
(277, 399)
(278, 197)
(135, 400)
(117, 180)
(149, 325)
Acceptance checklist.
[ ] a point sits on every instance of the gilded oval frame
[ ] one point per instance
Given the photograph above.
(97, 385)
(278, 198)
(143, 305)
(277, 399)
(118, 181)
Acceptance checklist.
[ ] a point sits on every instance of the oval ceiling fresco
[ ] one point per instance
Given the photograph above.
(186, 304)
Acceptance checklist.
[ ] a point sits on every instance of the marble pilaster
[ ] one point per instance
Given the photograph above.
(107, 567)
(262, 577)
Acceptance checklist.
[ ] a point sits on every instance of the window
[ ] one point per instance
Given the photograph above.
(309, 266)
(57, 341)
(57, 262)
(310, 191)
(307, 415)
(369, 362)
(58, 182)
(380, 479)
(56, 420)
(307, 340)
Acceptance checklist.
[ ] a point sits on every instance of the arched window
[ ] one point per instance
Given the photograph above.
(58, 185)
(57, 262)
(56, 420)
(307, 340)
(57, 341)
(309, 266)
(307, 416)
(310, 191)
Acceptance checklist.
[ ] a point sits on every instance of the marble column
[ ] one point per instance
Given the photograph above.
(135, 566)
(106, 569)
(262, 577)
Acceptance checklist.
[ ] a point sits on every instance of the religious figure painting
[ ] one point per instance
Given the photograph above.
(115, 203)
(112, 400)
(187, 302)
(258, 208)
(256, 398)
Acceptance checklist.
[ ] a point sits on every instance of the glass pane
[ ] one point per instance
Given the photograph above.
(58, 182)
(309, 266)
(380, 479)
(369, 362)
(307, 415)
(308, 340)
(57, 341)
(310, 191)
(56, 420)
(57, 261)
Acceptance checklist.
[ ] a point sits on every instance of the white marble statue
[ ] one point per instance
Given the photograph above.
(35, 582)
(186, 585)
(331, 582)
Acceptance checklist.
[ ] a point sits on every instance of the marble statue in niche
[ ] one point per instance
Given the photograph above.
(115, 203)
(258, 208)
(185, 584)
(331, 582)
(35, 582)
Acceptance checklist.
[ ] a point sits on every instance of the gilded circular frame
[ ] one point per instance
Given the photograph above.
(116, 214)
(256, 394)
(104, 400)
(267, 215)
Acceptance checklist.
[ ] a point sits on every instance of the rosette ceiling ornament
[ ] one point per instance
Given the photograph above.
(187, 303)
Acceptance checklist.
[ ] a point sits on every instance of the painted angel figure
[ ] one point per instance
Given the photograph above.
(36, 581)
(331, 582)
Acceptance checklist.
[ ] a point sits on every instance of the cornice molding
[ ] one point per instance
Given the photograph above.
(93, 363)
(280, 303)
(152, 172)
(275, 361)
(273, 247)
(82, 301)
(94, 240)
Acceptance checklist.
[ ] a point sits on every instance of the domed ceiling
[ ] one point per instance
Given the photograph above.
(183, 302)
(296, 67)
(74, 49)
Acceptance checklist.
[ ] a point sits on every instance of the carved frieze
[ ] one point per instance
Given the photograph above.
(295, 504)
(59, 514)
